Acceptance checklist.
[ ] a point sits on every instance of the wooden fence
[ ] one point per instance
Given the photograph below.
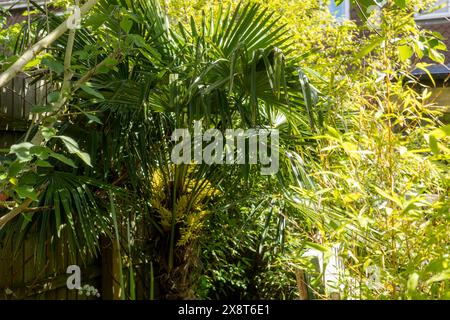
(21, 276)
(16, 101)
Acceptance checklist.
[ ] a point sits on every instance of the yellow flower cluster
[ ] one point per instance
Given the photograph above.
(189, 206)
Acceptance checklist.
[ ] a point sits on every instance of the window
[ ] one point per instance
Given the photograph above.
(341, 11)
(442, 12)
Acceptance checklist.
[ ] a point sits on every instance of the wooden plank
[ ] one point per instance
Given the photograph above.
(29, 98)
(17, 271)
(10, 99)
(29, 260)
(5, 270)
(106, 283)
(2, 102)
(50, 271)
(61, 253)
(72, 294)
(41, 287)
(18, 93)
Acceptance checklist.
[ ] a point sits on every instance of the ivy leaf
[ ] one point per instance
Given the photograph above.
(138, 40)
(71, 144)
(48, 133)
(22, 151)
(85, 157)
(33, 63)
(53, 97)
(126, 24)
(43, 164)
(41, 152)
(53, 65)
(26, 192)
(72, 147)
(15, 168)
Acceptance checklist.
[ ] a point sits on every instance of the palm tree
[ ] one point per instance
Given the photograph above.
(136, 78)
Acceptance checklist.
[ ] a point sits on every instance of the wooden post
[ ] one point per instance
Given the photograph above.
(110, 270)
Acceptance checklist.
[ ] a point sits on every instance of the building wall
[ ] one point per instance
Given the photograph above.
(16, 11)
(18, 7)
(442, 26)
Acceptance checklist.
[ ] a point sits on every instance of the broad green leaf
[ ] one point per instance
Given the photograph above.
(28, 179)
(15, 168)
(48, 132)
(334, 132)
(92, 92)
(138, 40)
(22, 151)
(93, 118)
(41, 109)
(71, 144)
(85, 157)
(90, 115)
(26, 192)
(433, 144)
(96, 20)
(43, 164)
(63, 159)
(33, 63)
(41, 152)
(53, 97)
(405, 52)
(111, 62)
(436, 56)
(126, 24)
(72, 147)
(53, 65)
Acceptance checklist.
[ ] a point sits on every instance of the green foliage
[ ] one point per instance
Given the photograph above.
(248, 258)
(364, 156)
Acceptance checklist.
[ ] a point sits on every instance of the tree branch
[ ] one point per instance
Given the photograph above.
(19, 209)
(44, 43)
(14, 212)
